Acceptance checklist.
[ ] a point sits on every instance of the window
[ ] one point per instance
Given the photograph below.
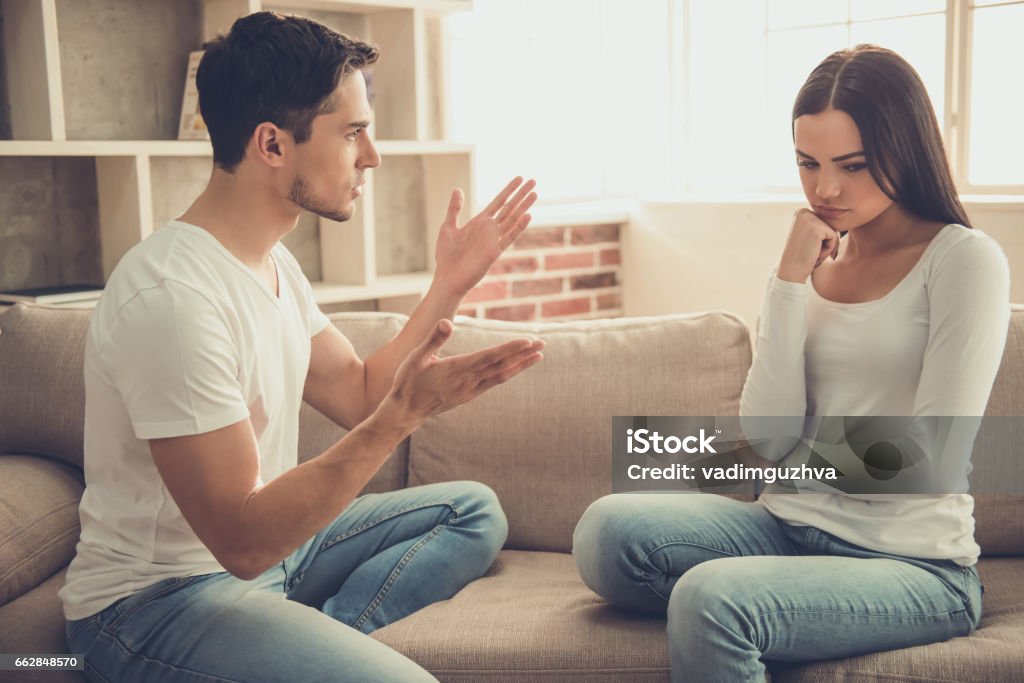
(658, 98)
(575, 92)
(996, 96)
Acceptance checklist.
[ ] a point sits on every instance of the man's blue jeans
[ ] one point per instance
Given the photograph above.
(740, 586)
(306, 619)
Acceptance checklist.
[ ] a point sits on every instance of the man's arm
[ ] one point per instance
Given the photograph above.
(348, 390)
(250, 526)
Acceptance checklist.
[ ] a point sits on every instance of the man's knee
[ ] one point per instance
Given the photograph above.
(480, 509)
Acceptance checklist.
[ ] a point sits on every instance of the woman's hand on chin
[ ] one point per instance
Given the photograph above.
(811, 240)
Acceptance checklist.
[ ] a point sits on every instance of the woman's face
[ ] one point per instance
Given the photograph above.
(833, 172)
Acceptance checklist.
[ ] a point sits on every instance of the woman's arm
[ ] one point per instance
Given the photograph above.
(969, 314)
(775, 388)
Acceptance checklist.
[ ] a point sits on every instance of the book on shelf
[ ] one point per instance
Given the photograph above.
(191, 125)
(61, 294)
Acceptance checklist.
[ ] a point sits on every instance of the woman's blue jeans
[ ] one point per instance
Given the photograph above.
(306, 619)
(741, 587)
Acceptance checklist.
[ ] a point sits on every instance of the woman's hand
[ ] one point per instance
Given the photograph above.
(811, 240)
(464, 255)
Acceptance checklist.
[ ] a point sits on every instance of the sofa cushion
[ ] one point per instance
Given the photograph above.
(999, 518)
(531, 619)
(34, 623)
(995, 652)
(42, 392)
(38, 521)
(367, 332)
(543, 440)
(42, 385)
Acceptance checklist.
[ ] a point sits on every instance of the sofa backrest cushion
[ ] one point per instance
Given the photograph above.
(42, 385)
(38, 521)
(367, 332)
(999, 453)
(543, 440)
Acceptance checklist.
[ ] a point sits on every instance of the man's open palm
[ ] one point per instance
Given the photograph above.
(464, 255)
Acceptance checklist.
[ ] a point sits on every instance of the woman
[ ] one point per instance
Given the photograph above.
(906, 314)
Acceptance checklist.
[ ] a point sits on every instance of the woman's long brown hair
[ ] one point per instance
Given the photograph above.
(902, 144)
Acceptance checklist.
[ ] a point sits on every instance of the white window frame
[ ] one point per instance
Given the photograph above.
(959, 52)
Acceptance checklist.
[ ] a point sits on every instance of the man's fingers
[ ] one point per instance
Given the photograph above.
(510, 359)
(479, 360)
(512, 205)
(438, 336)
(509, 372)
(503, 196)
(454, 207)
(512, 234)
(513, 216)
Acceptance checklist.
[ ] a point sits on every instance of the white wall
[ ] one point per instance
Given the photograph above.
(698, 256)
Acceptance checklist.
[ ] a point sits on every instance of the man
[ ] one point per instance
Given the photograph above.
(206, 553)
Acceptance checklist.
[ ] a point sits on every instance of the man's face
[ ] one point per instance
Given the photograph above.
(331, 165)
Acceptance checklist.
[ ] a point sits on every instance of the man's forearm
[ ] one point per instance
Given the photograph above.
(380, 367)
(292, 508)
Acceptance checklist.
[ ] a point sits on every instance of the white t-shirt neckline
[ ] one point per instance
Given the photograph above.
(922, 259)
(260, 282)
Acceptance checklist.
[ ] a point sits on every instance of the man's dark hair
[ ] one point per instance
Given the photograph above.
(276, 68)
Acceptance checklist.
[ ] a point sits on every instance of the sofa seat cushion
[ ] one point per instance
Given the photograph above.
(543, 440)
(34, 623)
(38, 521)
(531, 619)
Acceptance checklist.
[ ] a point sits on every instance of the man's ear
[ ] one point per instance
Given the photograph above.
(270, 144)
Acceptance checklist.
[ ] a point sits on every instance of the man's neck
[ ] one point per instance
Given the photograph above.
(245, 215)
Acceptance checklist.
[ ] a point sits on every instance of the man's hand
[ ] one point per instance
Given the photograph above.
(811, 240)
(465, 254)
(426, 385)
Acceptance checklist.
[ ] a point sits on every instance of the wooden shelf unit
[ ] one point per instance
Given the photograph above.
(411, 189)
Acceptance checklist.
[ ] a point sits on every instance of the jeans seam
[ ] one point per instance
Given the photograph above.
(95, 672)
(393, 576)
(395, 513)
(896, 617)
(169, 588)
(643, 563)
(129, 653)
(72, 633)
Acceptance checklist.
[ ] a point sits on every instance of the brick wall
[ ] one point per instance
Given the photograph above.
(553, 273)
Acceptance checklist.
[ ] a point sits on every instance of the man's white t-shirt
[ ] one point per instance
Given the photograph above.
(185, 340)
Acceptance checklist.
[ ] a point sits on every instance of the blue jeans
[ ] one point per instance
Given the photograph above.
(305, 619)
(739, 586)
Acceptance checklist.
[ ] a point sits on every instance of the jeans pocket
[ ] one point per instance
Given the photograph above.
(128, 606)
(75, 630)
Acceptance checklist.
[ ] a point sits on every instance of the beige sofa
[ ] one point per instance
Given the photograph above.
(543, 443)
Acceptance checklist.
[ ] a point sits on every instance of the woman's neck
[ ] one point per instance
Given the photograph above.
(892, 229)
